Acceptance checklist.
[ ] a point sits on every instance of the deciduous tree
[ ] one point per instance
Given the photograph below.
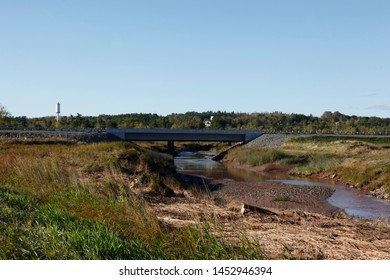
(4, 115)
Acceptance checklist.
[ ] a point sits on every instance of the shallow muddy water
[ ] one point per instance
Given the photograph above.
(354, 202)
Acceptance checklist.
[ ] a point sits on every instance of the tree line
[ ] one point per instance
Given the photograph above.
(329, 122)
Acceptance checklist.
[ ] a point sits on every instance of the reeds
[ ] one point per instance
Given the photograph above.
(259, 156)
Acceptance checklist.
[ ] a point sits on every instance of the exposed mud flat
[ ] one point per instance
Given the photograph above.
(281, 196)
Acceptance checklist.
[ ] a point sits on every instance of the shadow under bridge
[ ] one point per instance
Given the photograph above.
(187, 135)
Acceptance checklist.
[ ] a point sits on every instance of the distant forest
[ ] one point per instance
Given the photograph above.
(329, 122)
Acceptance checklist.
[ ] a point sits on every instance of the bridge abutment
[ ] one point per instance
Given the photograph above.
(171, 147)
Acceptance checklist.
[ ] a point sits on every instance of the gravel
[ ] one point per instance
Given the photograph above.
(269, 140)
(274, 195)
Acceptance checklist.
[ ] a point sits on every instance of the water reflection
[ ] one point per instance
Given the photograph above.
(200, 164)
(354, 202)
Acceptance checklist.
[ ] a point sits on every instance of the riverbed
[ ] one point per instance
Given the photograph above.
(350, 201)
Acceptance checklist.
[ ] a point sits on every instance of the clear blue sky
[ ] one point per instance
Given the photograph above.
(173, 56)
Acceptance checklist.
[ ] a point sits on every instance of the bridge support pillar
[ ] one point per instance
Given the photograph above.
(171, 147)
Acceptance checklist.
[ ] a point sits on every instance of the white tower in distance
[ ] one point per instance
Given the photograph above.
(58, 111)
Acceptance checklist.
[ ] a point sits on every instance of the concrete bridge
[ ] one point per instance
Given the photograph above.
(183, 135)
(203, 135)
(141, 134)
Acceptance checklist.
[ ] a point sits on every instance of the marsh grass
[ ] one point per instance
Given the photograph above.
(256, 156)
(317, 164)
(360, 161)
(78, 201)
(364, 164)
(381, 141)
(371, 174)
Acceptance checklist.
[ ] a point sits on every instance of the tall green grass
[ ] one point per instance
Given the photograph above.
(85, 202)
(29, 230)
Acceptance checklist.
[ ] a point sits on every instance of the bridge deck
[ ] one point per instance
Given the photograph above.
(205, 135)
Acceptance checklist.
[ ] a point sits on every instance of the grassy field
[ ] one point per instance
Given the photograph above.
(380, 141)
(363, 162)
(88, 201)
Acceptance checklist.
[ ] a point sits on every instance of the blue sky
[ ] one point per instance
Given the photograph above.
(173, 56)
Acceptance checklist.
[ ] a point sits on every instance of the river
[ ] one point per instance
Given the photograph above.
(354, 202)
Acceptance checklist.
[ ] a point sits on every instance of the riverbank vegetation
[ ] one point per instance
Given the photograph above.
(361, 162)
(95, 201)
(62, 200)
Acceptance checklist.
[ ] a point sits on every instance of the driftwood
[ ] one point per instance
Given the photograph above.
(247, 207)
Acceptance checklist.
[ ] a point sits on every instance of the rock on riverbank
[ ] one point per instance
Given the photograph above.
(269, 140)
